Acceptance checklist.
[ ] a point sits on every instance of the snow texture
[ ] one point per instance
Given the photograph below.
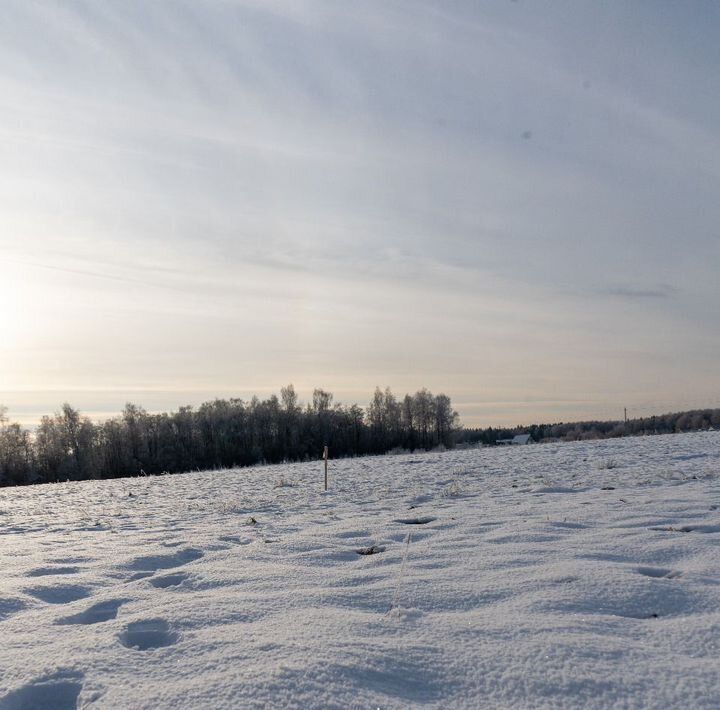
(547, 576)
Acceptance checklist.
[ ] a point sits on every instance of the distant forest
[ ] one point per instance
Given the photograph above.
(220, 434)
(231, 433)
(695, 420)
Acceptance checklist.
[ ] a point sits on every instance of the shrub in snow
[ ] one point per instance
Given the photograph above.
(282, 482)
(452, 490)
(608, 464)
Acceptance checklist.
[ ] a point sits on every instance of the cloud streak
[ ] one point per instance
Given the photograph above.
(634, 293)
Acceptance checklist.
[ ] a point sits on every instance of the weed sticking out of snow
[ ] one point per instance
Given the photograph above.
(282, 482)
(372, 550)
(401, 573)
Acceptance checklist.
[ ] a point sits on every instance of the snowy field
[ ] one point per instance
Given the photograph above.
(552, 576)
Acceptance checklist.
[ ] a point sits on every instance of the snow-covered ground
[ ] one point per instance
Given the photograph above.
(562, 575)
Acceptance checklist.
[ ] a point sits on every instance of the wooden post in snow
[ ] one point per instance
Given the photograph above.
(325, 458)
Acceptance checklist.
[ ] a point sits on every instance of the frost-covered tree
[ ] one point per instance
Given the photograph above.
(16, 456)
(220, 433)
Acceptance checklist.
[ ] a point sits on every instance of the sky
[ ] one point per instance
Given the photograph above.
(512, 202)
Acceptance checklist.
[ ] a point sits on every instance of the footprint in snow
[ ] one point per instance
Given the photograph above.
(528, 537)
(95, 614)
(659, 572)
(50, 571)
(59, 691)
(235, 539)
(568, 525)
(140, 575)
(10, 606)
(147, 634)
(701, 528)
(351, 534)
(169, 580)
(151, 563)
(415, 521)
(59, 594)
(689, 528)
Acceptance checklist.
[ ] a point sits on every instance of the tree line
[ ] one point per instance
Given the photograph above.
(695, 420)
(223, 433)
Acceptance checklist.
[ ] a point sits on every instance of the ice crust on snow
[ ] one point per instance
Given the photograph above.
(537, 576)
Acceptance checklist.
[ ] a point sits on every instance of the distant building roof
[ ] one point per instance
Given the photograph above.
(518, 439)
